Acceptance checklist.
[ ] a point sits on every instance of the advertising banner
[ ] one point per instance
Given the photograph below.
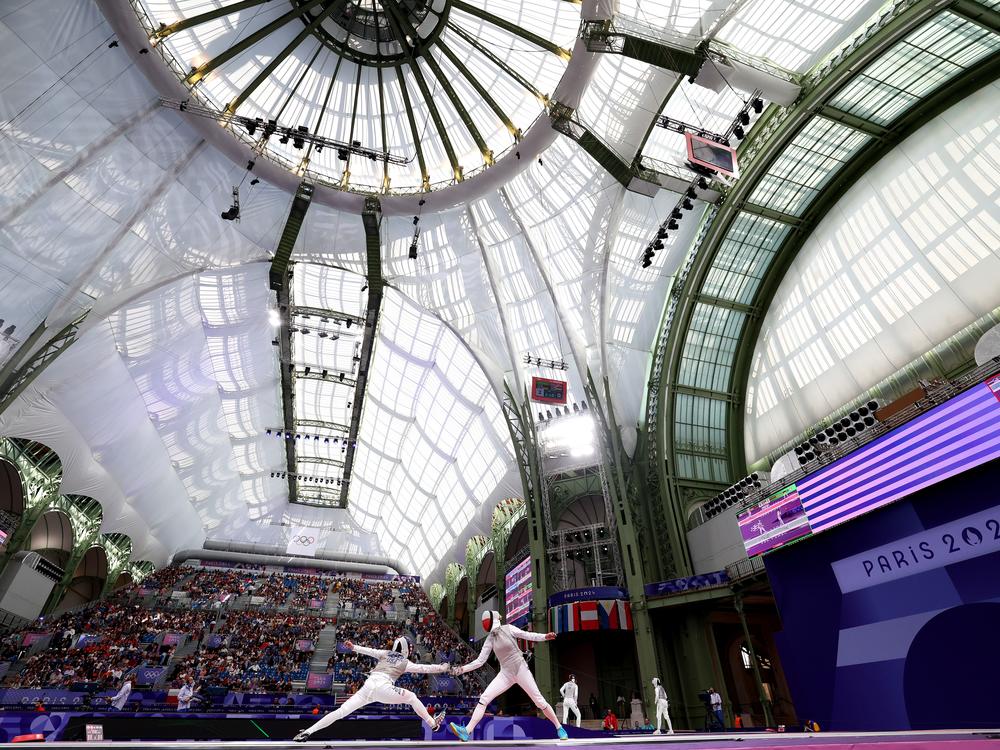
(690, 583)
(304, 645)
(591, 593)
(173, 639)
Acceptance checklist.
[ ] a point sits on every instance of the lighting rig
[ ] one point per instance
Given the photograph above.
(589, 544)
(305, 478)
(299, 136)
(549, 363)
(736, 130)
(733, 495)
(841, 431)
(578, 408)
(327, 439)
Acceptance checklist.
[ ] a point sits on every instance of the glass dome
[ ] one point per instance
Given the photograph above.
(421, 94)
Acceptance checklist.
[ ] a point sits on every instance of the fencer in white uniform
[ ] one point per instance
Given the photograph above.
(502, 640)
(662, 707)
(570, 692)
(380, 687)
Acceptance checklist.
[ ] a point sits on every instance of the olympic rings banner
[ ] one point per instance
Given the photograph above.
(303, 541)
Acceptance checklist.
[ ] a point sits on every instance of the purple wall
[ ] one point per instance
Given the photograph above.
(890, 621)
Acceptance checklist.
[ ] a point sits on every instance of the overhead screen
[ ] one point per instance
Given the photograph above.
(956, 436)
(517, 584)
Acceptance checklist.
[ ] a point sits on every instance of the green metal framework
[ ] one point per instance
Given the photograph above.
(454, 574)
(911, 63)
(40, 473)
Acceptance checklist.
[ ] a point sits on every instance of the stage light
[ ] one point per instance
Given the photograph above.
(661, 233)
(687, 205)
(744, 117)
(739, 132)
(758, 105)
(413, 250)
(672, 224)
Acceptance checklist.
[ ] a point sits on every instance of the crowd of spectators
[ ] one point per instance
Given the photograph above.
(118, 634)
(371, 596)
(296, 591)
(258, 651)
(243, 646)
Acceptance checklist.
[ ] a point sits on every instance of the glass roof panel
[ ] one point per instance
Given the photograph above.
(933, 54)
(744, 257)
(794, 34)
(817, 153)
(710, 346)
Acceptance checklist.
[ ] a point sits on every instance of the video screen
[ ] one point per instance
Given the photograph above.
(548, 391)
(775, 521)
(517, 584)
(706, 153)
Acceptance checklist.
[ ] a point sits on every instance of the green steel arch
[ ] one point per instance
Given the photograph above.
(475, 551)
(454, 574)
(436, 595)
(791, 177)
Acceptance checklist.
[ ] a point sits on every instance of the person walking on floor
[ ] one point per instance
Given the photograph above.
(662, 707)
(569, 692)
(715, 700)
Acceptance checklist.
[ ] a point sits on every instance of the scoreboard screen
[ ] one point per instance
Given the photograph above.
(517, 583)
(548, 391)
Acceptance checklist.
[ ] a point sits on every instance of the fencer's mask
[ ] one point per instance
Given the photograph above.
(491, 620)
(402, 646)
(656, 682)
(572, 678)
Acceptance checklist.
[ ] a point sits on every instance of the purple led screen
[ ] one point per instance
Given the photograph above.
(773, 522)
(518, 586)
(958, 435)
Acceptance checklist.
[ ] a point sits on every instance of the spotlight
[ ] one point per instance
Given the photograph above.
(690, 193)
(672, 224)
(297, 140)
(744, 117)
(413, 250)
(687, 204)
(757, 104)
(739, 132)
(702, 183)
(646, 262)
(342, 154)
(661, 233)
(675, 214)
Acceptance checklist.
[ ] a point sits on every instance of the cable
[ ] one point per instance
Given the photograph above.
(74, 68)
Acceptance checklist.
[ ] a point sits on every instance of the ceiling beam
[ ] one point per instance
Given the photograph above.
(512, 28)
(490, 55)
(424, 175)
(319, 424)
(279, 58)
(401, 29)
(463, 113)
(204, 69)
(371, 217)
(279, 282)
(226, 10)
(481, 90)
